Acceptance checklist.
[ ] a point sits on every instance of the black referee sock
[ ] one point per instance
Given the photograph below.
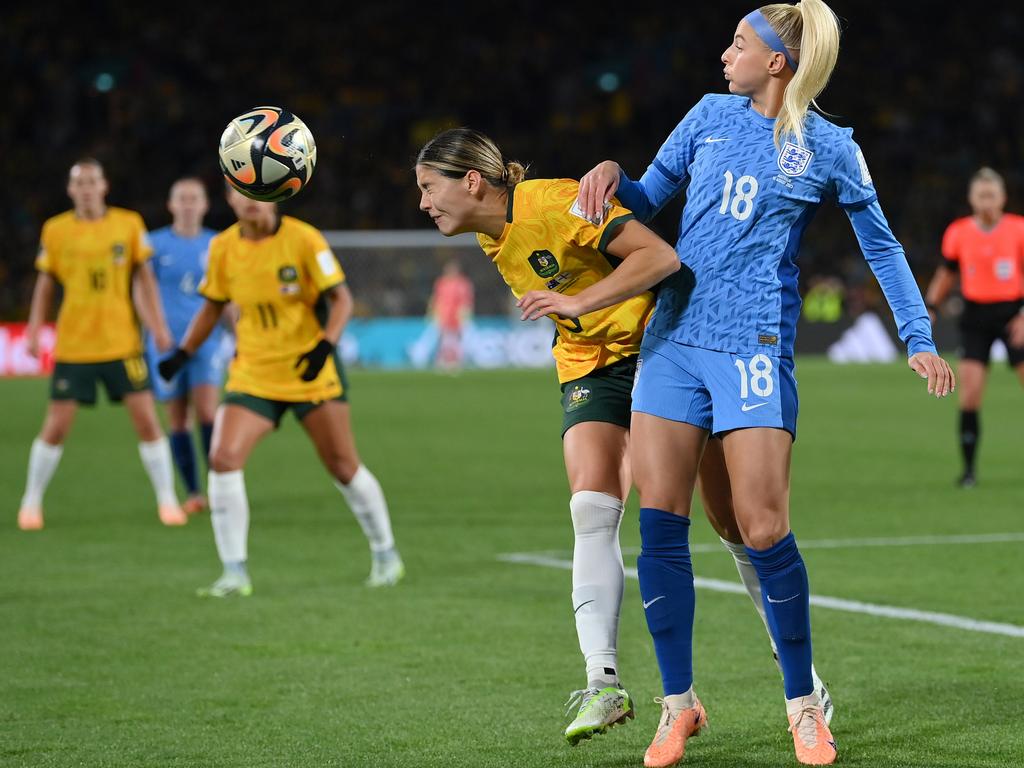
(970, 432)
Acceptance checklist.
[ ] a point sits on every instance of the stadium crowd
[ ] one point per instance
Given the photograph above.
(561, 86)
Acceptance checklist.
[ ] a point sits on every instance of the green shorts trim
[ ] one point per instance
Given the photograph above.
(77, 381)
(276, 409)
(604, 394)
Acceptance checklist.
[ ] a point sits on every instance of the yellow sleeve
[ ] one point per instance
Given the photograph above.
(560, 204)
(322, 264)
(46, 259)
(214, 285)
(141, 248)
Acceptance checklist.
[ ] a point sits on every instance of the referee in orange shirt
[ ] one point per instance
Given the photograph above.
(986, 249)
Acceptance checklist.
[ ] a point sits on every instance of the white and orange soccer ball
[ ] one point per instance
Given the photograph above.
(267, 154)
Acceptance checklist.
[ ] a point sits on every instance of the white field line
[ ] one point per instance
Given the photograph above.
(835, 603)
(893, 541)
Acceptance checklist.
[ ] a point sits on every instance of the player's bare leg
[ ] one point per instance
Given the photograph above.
(236, 432)
(155, 452)
(330, 428)
(597, 465)
(758, 462)
(971, 376)
(716, 495)
(665, 456)
(43, 460)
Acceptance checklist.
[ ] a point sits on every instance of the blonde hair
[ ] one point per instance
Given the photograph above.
(987, 174)
(811, 31)
(456, 152)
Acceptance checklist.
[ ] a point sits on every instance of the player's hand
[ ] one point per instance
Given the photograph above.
(930, 366)
(597, 187)
(536, 304)
(163, 339)
(315, 359)
(1015, 329)
(169, 366)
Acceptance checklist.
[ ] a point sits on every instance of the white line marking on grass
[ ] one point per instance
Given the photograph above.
(835, 603)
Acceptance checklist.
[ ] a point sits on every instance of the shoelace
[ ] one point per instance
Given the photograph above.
(580, 698)
(667, 718)
(806, 724)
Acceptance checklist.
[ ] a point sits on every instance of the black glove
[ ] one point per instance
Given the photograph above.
(173, 363)
(316, 357)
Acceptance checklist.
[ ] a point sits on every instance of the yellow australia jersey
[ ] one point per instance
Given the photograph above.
(276, 282)
(547, 244)
(93, 260)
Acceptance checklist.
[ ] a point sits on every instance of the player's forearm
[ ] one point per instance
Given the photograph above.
(340, 313)
(148, 303)
(42, 300)
(640, 271)
(202, 326)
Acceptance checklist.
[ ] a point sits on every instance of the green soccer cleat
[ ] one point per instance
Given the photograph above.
(228, 585)
(387, 569)
(600, 709)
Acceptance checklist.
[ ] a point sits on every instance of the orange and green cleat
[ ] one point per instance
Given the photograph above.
(682, 716)
(171, 514)
(30, 518)
(811, 736)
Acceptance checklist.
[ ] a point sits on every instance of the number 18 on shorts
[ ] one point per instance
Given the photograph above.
(718, 391)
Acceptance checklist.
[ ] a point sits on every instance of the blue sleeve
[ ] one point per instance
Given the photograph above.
(888, 262)
(668, 173)
(851, 180)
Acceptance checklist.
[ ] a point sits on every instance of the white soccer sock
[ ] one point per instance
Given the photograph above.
(597, 580)
(748, 575)
(229, 513)
(42, 463)
(156, 458)
(365, 498)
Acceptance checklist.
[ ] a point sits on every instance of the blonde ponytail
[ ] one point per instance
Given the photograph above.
(456, 152)
(811, 30)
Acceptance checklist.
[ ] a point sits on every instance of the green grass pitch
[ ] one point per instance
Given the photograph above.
(107, 658)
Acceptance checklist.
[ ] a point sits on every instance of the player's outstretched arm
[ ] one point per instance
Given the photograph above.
(199, 329)
(42, 300)
(646, 261)
(149, 306)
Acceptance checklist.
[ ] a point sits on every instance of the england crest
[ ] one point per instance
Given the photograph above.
(793, 160)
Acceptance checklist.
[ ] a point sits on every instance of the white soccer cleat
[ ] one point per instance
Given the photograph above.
(387, 569)
(231, 584)
(599, 710)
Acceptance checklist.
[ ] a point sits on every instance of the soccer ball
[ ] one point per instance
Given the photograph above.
(267, 154)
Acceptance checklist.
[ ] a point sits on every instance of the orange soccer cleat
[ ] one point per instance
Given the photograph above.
(682, 716)
(30, 518)
(172, 514)
(194, 504)
(811, 736)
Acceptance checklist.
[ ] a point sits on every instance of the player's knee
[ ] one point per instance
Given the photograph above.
(223, 459)
(766, 531)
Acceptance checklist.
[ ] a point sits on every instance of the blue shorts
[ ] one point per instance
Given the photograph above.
(716, 391)
(206, 366)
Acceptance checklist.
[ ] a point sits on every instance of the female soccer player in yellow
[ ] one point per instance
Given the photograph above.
(294, 304)
(98, 255)
(539, 241)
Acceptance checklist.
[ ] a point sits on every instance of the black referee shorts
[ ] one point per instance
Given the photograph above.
(982, 324)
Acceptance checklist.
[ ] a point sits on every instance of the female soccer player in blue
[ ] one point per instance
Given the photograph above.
(717, 356)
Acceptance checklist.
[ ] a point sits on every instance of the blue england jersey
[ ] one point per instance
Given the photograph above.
(747, 205)
(179, 264)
